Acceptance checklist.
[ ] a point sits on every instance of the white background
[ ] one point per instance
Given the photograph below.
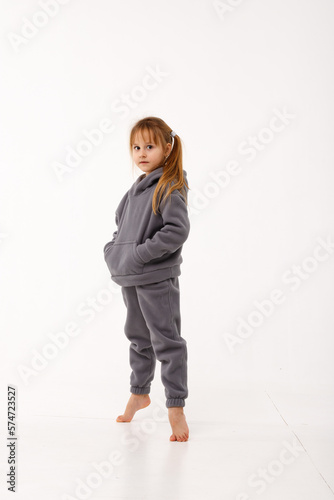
(223, 78)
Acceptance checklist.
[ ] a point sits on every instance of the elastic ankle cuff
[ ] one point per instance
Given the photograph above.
(175, 402)
(140, 390)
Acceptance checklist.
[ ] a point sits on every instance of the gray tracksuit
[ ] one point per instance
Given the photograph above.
(144, 258)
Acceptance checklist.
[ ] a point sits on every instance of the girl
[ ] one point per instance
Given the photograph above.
(144, 258)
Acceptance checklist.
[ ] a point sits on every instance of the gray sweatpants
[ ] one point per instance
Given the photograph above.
(153, 326)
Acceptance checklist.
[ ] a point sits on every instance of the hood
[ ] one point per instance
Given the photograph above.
(145, 181)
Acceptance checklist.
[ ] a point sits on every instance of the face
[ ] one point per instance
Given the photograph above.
(147, 155)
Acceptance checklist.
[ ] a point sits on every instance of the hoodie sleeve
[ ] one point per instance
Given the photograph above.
(173, 234)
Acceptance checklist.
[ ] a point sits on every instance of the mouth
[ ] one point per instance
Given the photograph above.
(144, 162)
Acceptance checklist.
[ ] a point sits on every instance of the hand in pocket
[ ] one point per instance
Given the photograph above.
(122, 259)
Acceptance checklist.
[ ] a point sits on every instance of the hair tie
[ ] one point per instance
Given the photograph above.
(173, 134)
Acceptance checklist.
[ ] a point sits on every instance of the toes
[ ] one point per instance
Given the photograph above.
(179, 437)
(183, 438)
(121, 418)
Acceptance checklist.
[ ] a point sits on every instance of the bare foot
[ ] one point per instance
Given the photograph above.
(136, 402)
(178, 423)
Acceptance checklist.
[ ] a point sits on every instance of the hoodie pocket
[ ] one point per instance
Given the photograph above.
(122, 259)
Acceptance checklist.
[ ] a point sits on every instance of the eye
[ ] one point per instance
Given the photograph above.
(135, 147)
(150, 146)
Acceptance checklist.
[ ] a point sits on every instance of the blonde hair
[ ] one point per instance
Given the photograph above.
(172, 178)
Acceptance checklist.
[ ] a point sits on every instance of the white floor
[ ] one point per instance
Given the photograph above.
(243, 445)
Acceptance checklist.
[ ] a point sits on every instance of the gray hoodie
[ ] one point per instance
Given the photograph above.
(146, 248)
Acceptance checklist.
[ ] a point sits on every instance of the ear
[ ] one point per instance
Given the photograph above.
(168, 149)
